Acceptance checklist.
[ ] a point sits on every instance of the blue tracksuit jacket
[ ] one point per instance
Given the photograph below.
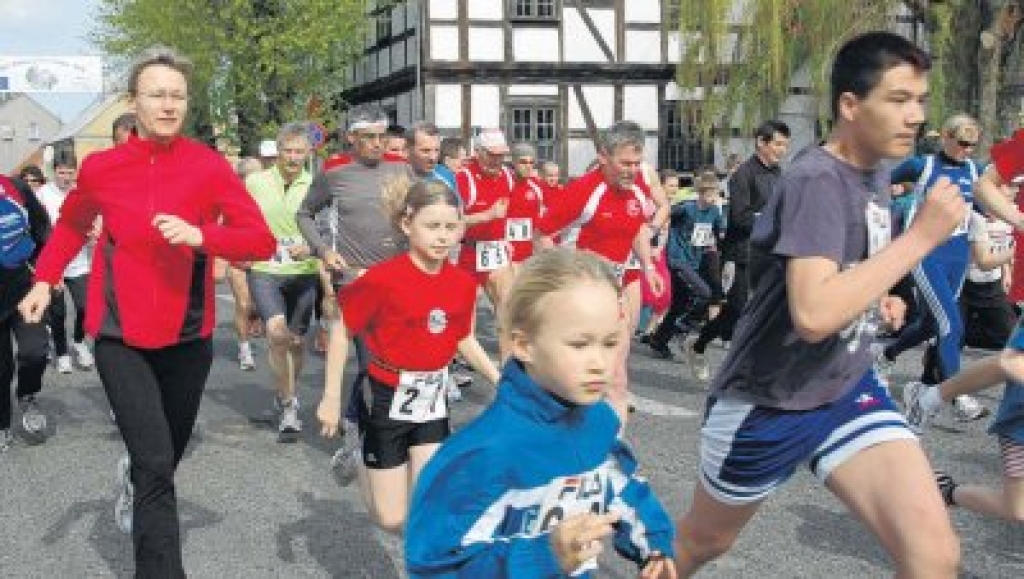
(486, 502)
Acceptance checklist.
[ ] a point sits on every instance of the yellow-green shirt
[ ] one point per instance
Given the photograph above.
(279, 206)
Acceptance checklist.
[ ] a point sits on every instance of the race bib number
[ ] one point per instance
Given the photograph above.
(519, 229)
(283, 254)
(879, 227)
(703, 235)
(420, 397)
(569, 496)
(492, 255)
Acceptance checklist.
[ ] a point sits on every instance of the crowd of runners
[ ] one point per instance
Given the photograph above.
(816, 273)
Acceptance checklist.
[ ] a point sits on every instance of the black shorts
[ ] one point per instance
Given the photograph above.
(291, 296)
(386, 441)
(987, 315)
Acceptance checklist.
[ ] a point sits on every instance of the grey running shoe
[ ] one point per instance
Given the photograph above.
(82, 355)
(947, 486)
(33, 421)
(918, 417)
(966, 408)
(6, 440)
(124, 503)
(345, 462)
(290, 425)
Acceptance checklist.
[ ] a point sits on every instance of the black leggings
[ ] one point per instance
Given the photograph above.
(155, 396)
(58, 312)
(30, 361)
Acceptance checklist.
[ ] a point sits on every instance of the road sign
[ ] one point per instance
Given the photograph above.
(317, 135)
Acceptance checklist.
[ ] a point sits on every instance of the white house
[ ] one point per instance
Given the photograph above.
(552, 72)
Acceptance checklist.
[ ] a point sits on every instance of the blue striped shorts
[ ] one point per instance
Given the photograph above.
(748, 451)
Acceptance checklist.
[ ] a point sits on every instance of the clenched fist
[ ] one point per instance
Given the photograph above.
(942, 211)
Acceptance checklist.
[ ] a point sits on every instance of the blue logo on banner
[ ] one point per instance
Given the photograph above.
(5, 83)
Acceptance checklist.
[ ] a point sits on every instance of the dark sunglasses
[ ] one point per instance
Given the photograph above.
(32, 180)
(967, 144)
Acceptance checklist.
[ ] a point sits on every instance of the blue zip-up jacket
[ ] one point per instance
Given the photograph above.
(485, 504)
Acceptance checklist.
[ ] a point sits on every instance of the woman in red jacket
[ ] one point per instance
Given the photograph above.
(169, 204)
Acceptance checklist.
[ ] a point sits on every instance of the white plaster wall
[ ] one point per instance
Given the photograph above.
(535, 45)
(581, 153)
(444, 42)
(600, 99)
(645, 11)
(448, 106)
(643, 46)
(486, 44)
(640, 105)
(486, 9)
(580, 45)
(485, 112)
(444, 9)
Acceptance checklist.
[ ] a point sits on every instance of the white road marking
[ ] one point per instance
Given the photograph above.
(655, 408)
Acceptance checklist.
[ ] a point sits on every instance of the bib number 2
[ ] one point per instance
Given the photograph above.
(420, 397)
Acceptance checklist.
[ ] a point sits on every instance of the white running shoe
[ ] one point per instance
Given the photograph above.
(245, 359)
(6, 440)
(918, 411)
(967, 408)
(124, 503)
(64, 364)
(83, 355)
(453, 392)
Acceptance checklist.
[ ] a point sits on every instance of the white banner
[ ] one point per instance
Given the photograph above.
(51, 74)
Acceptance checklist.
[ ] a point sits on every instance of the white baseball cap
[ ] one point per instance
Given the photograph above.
(493, 140)
(268, 148)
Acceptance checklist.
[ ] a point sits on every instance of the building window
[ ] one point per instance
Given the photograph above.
(533, 9)
(7, 132)
(537, 125)
(681, 148)
(32, 132)
(383, 25)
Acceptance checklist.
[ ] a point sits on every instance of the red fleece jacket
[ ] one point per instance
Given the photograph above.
(143, 290)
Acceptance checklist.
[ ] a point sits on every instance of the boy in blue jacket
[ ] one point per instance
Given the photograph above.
(533, 485)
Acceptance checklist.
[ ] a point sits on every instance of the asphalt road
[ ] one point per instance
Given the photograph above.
(251, 507)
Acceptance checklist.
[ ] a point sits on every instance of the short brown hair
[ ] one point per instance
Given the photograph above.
(157, 55)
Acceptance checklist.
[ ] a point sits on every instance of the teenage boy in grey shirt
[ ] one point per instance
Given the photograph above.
(797, 385)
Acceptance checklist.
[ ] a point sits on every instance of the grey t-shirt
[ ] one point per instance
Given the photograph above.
(818, 209)
(351, 194)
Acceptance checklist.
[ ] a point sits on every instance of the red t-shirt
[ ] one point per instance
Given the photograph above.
(479, 192)
(1008, 158)
(525, 207)
(410, 319)
(593, 215)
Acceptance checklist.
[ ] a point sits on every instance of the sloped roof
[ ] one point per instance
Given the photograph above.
(87, 116)
(24, 96)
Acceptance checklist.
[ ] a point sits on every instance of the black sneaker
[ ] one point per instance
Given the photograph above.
(660, 350)
(947, 486)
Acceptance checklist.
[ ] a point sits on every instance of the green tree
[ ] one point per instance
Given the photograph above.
(742, 57)
(258, 63)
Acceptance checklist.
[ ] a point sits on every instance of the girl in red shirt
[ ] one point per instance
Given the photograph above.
(414, 311)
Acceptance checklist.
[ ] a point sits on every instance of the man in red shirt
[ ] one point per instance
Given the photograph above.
(485, 186)
(526, 205)
(606, 212)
